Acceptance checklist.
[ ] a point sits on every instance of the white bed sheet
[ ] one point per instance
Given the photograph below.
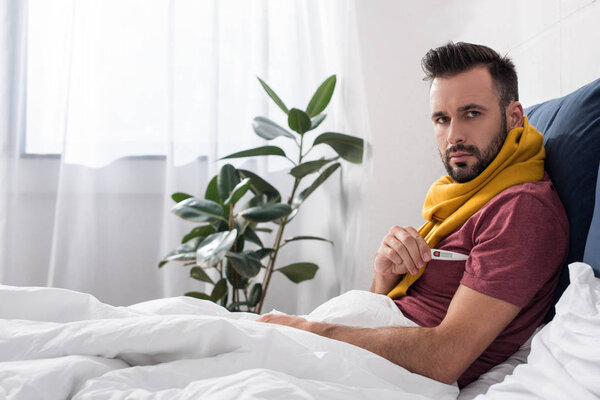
(57, 344)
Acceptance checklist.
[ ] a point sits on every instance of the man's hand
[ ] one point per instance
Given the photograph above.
(402, 251)
(288, 320)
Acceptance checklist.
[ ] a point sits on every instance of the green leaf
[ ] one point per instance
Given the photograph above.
(184, 252)
(251, 236)
(322, 96)
(199, 232)
(258, 151)
(162, 263)
(238, 191)
(240, 224)
(320, 179)
(316, 121)
(296, 202)
(255, 294)
(292, 239)
(239, 243)
(266, 213)
(227, 180)
(221, 225)
(214, 247)
(301, 170)
(299, 272)
(212, 191)
(198, 210)
(177, 197)
(267, 129)
(199, 274)
(299, 121)
(199, 295)
(246, 263)
(223, 300)
(262, 253)
(273, 96)
(259, 185)
(229, 272)
(258, 200)
(350, 148)
(190, 245)
(219, 290)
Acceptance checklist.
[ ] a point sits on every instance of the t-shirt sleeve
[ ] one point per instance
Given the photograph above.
(518, 246)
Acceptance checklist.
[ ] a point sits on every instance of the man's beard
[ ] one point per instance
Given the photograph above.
(462, 173)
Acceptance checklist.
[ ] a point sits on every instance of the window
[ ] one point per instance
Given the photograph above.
(108, 79)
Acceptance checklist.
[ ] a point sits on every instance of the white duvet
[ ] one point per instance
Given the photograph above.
(59, 344)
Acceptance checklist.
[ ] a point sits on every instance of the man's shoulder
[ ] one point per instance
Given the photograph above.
(541, 193)
(542, 188)
(530, 205)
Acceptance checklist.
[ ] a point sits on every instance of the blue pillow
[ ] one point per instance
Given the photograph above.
(571, 129)
(592, 246)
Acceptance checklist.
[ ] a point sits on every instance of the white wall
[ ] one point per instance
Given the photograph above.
(554, 44)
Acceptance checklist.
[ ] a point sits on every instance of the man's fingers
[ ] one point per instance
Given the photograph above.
(410, 246)
(283, 319)
(397, 241)
(390, 249)
(424, 249)
(405, 251)
(264, 318)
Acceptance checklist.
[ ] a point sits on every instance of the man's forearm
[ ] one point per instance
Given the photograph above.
(419, 350)
(443, 352)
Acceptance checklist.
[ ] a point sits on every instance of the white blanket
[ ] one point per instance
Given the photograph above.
(58, 344)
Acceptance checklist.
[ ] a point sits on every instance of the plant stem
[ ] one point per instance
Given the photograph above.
(271, 265)
(276, 246)
(245, 292)
(233, 272)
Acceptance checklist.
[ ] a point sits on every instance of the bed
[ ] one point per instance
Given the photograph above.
(58, 344)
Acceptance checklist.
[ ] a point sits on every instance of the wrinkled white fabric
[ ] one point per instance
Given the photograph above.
(498, 373)
(564, 362)
(55, 344)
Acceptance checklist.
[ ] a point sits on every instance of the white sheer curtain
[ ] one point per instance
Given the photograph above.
(141, 98)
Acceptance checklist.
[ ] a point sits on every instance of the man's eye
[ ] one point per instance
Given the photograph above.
(471, 114)
(441, 120)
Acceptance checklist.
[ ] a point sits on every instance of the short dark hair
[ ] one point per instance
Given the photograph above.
(454, 58)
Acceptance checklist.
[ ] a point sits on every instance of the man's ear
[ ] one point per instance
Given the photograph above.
(514, 115)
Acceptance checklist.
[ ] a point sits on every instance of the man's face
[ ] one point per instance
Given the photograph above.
(469, 126)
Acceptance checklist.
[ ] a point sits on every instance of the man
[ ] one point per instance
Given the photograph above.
(497, 205)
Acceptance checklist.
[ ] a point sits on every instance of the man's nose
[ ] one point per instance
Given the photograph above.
(455, 133)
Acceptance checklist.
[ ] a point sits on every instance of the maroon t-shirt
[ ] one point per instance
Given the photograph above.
(517, 244)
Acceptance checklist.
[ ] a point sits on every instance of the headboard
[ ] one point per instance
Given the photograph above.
(571, 129)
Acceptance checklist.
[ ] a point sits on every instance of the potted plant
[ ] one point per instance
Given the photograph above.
(218, 250)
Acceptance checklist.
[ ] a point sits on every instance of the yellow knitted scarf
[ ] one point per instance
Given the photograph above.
(449, 204)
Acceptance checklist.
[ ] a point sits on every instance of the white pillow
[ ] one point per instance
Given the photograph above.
(497, 373)
(564, 362)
